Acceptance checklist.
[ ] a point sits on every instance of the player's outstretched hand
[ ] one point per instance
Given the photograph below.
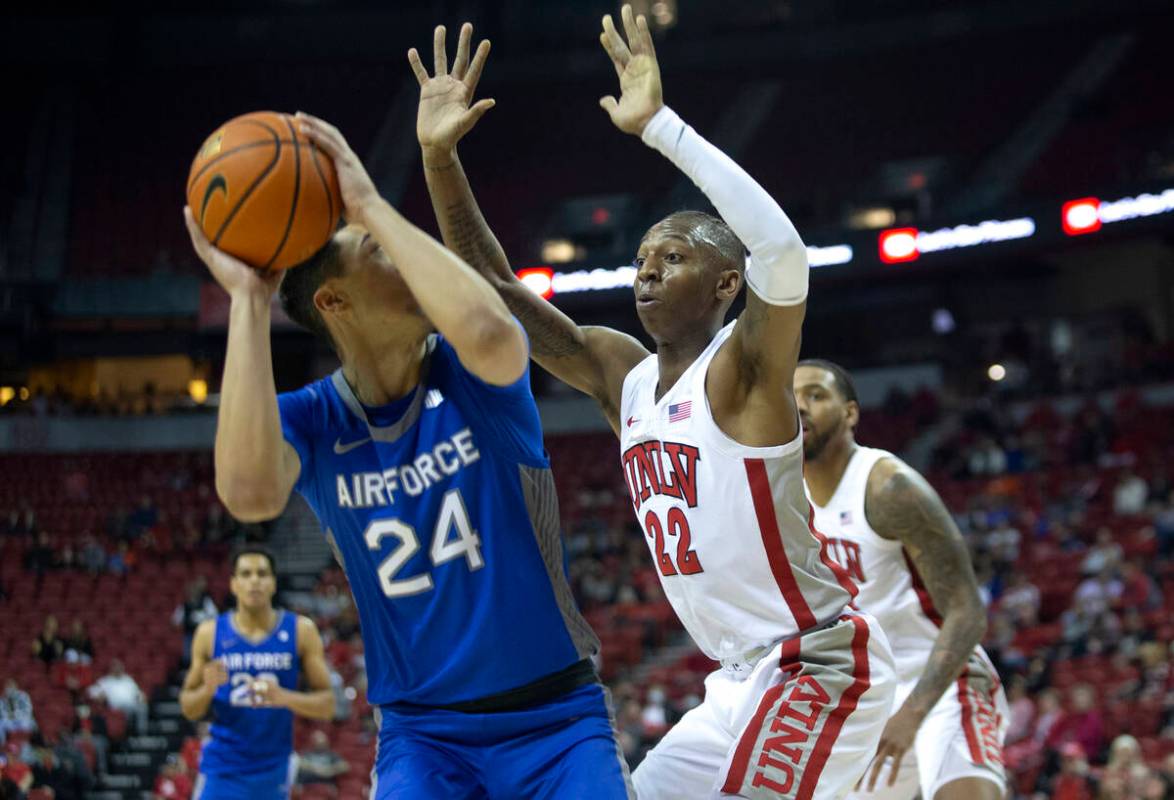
(635, 63)
(445, 115)
(215, 674)
(354, 184)
(896, 739)
(234, 275)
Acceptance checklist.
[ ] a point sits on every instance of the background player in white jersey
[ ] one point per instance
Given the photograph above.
(712, 454)
(246, 666)
(892, 532)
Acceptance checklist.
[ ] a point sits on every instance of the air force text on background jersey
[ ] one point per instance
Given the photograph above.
(442, 510)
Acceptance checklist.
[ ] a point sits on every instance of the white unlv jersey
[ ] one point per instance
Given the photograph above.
(729, 526)
(890, 588)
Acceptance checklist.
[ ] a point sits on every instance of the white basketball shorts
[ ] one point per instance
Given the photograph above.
(801, 723)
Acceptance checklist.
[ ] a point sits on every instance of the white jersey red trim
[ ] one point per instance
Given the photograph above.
(973, 711)
(729, 526)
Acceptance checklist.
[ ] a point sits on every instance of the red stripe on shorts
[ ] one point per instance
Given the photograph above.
(772, 540)
(968, 721)
(831, 728)
(790, 665)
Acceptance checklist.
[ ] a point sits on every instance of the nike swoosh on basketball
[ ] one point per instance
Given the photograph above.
(218, 182)
(340, 448)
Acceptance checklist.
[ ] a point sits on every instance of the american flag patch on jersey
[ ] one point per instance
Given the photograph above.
(845, 517)
(680, 411)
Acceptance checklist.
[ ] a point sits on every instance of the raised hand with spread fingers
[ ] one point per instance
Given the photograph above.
(635, 62)
(445, 113)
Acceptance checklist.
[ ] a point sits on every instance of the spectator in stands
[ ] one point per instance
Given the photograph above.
(73, 673)
(1020, 600)
(1082, 725)
(320, 764)
(89, 729)
(16, 777)
(1138, 589)
(189, 751)
(48, 646)
(92, 557)
(655, 716)
(22, 523)
(143, 518)
(1022, 710)
(1125, 768)
(16, 711)
(79, 640)
(61, 773)
(1075, 781)
(1105, 554)
(174, 781)
(1164, 526)
(122, 693)
(1097, 594)
(40, 558)
(196, 608)
(1134, 633)
(122, 560)
(1130, 494)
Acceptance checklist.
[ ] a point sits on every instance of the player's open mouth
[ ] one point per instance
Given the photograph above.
(646, 300)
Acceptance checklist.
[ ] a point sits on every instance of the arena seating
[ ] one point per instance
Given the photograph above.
(128, 617)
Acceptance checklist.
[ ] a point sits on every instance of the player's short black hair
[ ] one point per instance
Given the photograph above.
(843, 382)
(716, 231)
(300, 283)
(252, 549)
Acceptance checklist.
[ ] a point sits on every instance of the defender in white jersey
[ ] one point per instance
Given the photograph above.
(888, 527)
(712, 453)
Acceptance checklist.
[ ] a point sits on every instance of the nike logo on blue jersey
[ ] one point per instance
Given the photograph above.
(340, 448)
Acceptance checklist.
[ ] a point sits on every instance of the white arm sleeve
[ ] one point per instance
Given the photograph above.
(777, 268)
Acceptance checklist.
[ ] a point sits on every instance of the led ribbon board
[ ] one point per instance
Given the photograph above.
(898, 245)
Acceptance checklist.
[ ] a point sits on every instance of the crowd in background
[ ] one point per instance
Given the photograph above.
(1069, 518)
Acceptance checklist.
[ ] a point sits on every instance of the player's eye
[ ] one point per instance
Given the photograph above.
(673, 258)
(638, 262)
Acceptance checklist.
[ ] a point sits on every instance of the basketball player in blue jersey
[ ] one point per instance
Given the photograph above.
(423, 460)
(245, 667)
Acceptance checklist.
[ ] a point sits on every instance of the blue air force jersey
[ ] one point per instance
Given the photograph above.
(243, 738)
(442, 511)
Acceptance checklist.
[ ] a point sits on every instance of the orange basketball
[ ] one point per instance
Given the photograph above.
(263, 192)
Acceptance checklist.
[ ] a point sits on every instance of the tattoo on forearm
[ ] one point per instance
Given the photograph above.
(467, 233)
(906, 508)
(549, 337)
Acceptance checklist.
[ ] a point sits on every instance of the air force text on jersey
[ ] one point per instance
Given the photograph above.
(369, 489)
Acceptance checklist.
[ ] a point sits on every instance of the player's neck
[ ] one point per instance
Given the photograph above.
(255, 622)
(823, 474)
(674, 357)
(383, 374)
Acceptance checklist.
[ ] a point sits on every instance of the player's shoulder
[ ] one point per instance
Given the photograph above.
(314, 407)
(307, 632)
(204, 636)
(886, 469)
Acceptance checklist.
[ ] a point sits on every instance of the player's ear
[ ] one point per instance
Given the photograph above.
(729, 282)
(852, 414)
(330, 298)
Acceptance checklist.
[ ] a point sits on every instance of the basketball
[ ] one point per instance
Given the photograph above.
(263, 192)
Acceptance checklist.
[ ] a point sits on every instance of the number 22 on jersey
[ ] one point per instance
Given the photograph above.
(453, 517)
(678, 525)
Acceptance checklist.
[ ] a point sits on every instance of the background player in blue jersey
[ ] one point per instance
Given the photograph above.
(245, 667)
(423, 460)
